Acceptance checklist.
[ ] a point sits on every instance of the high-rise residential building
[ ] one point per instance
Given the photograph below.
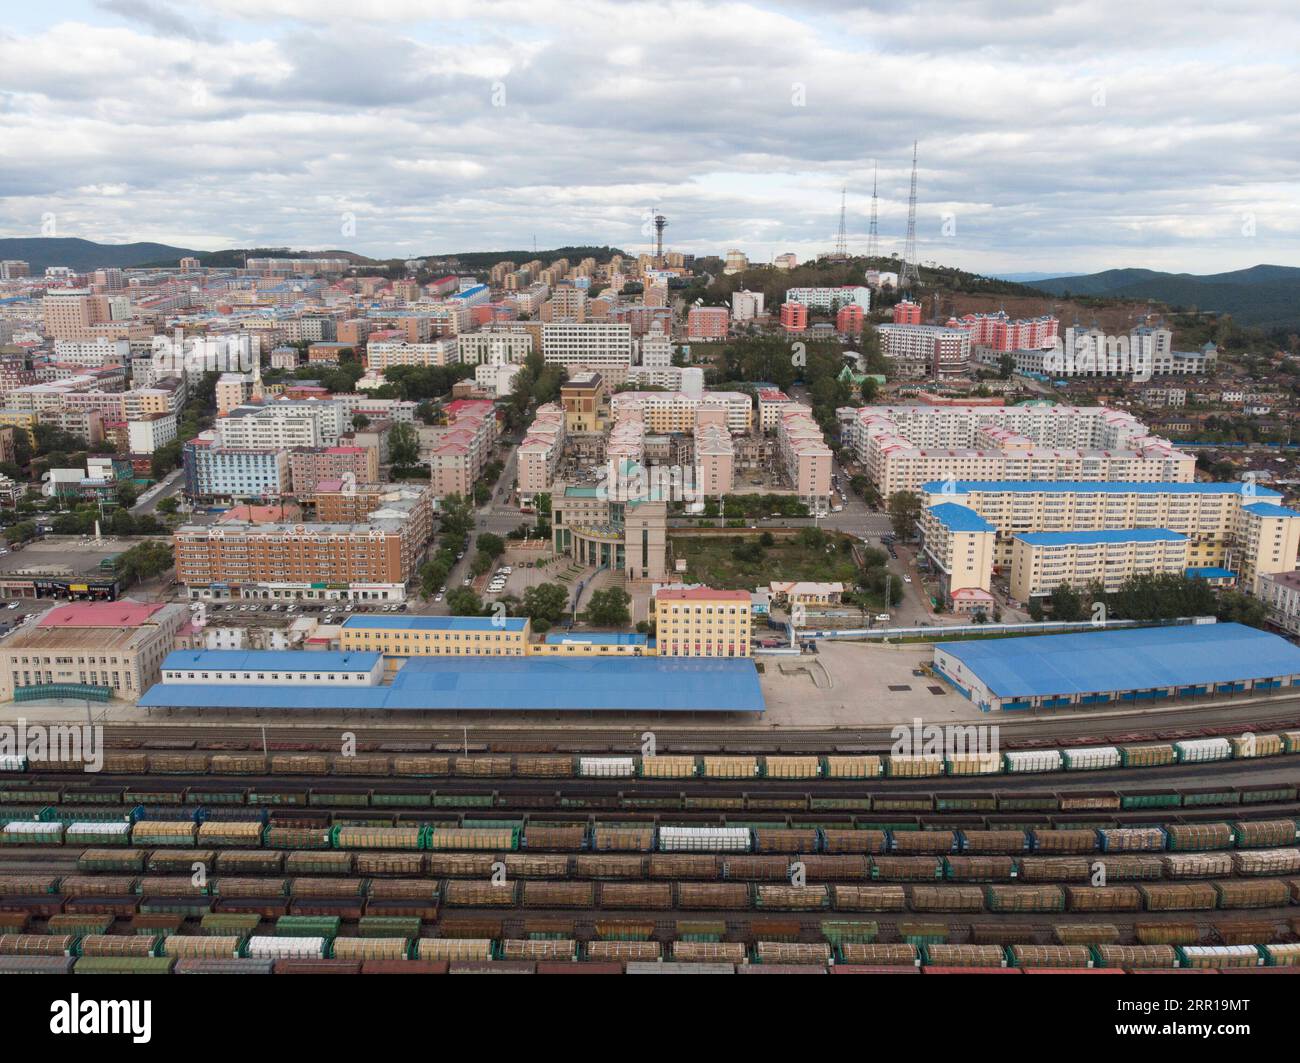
(496, 347)
(585, 398)
(907, 312)
(705, 323)
(926, 350)
(803, 452)
(746, 305)
(794, 317)
(541, 450)
(606, 348)
(309, 465)
(458, 451)
(213, 473)
(386, 353)
(903, 447)
(829, 300)
(850, 319)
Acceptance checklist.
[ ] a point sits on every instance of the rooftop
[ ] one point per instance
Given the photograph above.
(1126, 659)
(960, 518)
(701, 594)
(125, 613)
(506, 684)
(1117, 487)
(436, 623)
(1088, 538)
(271, 660)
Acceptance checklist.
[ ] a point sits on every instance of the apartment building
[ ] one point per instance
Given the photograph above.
(770, 403)
(801, 448)
(309, 465)
(903, 447)
(541, 450)
(926, 350)
(850, 319)
(959, 544)
(344, 502)
(1043, 561)
(907, 312)
(213, 472)
(386, 353)
(999, 332)
(746, 305)
(702, 622)
(606, 348)
(147, 434)
(1236, 526)
(368, 562)
(715, 457)
(458, 451)
(707, 323)
(794, 317)
(1280, 592)
(97, 352)
(494, 348)
(828, 300)
(89, 650)
(677, 411)
(282, 425)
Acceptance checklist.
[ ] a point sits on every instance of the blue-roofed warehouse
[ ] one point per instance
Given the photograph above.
(1122, 665)
(613, 684)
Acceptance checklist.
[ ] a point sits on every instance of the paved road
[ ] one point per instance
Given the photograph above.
(170, 485)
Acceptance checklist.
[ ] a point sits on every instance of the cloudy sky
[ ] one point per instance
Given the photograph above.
(1053, 136)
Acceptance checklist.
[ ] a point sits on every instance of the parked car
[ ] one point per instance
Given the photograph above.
(882, 618)
(907, 579)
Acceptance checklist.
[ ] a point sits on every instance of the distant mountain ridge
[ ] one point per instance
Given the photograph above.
(1265, 296)
(82, 255)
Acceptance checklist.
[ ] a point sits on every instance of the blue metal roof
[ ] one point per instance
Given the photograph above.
(438, 623)
(1104, 487)
(1209, 572)
(1088, 538)
(598, 638)
(1126, 659)
(270, 660)
(1268, 509)
(960, 518)
(506, 684)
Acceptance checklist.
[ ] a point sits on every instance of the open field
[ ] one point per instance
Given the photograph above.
(714, 562)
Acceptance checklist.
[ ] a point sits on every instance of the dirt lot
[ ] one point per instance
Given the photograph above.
(714, 562)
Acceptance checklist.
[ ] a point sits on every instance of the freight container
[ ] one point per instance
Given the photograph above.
(378, 837)
(1091, 758)
(923, 841)
(668, 767)
(1183, 897)
(729, 767)
(28, 832)
(965, 956)
(868, 898)
(559, 895)
(164, 832)
(1032, 760)
(1062, 841)
(552, 950)
(1200, 750)
(1267, 862)
(1197, 865)
(791, 898)
(913, 767)
(1253, 893)
(792, 767)
(854, 841)
(626, 895)
(906, 868)
(564, 839)
(992, 841)
(606, 767)
(1103, 898)
(1219, 956)
(1043, 898)
(1132, 839)
(1148, 756)
(471, 894)
(947, 899)
(1249, 746)
(624, 838)
(1265, 833)
(1287, 955)
(791, 952)
(705, 839)
(117, 965)
(118, 945)
(37, 944)
(1144, 957)
(453, 949)
(98, 833)
(853, 767)
(979, 868)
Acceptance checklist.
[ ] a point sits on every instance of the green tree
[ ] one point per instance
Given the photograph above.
(492, 545)
(1067, 603)
(457, 517)
(481, 563)
(360, 420)
(609, 607)
(403, 445)
(168, 505)
(904, 511)
(545, 601)
(463, 601)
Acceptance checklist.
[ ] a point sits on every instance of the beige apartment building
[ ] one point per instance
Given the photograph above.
(802, 451)
(585, 398)
(702, 622)
(541, 450)
(624, 535)
(1237, 526)
(1043, 561)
